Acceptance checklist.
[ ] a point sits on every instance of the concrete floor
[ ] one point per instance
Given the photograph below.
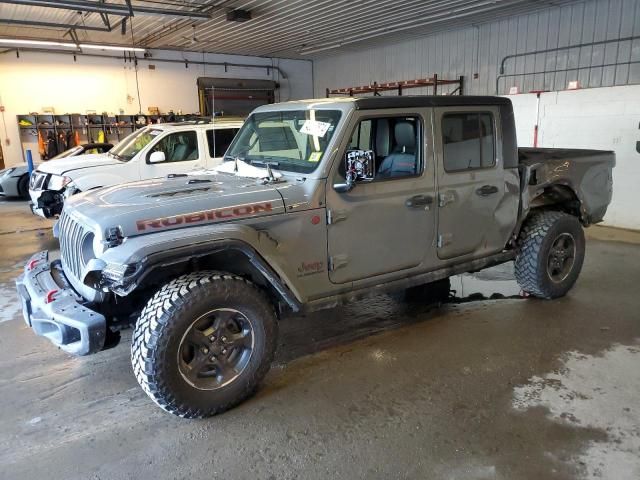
(485, 389)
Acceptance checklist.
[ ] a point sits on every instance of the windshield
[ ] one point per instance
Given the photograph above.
(129, 147)
(291, 140)
(68, 153)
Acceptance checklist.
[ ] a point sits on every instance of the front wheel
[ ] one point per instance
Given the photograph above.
(203, 343)
(550, 254)
(23, 187)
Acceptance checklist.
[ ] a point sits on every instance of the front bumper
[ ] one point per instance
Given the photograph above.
(46, 203)
(54, 310)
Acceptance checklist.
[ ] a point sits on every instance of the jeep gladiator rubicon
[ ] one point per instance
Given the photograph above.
(317, 202)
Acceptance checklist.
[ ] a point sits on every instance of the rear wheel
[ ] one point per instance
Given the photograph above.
(550, 254)
(203, 343)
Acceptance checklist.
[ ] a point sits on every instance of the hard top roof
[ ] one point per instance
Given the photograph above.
(405, 101)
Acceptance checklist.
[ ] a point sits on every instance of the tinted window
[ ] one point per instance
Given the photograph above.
(219, 140)
(178, 147)
(468, 141)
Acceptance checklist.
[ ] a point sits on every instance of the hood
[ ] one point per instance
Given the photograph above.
(163, 204)
(61, 166)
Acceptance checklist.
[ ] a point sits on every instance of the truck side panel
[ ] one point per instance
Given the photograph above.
(580, 181)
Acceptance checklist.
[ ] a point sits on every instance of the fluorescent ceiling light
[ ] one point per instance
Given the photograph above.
(38, 43)
(51, 43)
(112, 47)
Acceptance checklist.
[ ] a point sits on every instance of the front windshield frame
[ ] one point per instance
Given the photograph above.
(312, 130)
(127, 149)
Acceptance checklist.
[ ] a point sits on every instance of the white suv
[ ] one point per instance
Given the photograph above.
(154, 151)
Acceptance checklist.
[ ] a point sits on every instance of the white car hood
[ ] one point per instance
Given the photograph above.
(62, 166)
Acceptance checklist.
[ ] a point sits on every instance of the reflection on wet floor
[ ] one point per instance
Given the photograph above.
(493, 283)
(306, 334)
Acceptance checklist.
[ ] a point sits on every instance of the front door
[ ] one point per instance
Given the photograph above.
(181, 151)
(471, 181)
(387, 224)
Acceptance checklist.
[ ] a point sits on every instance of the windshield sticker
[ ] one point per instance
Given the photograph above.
(315, 157)
(153, 133)
(315, 128)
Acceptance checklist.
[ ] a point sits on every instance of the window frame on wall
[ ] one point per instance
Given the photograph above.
(494, 142)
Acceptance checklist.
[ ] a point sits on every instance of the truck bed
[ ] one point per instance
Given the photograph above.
(537, 155)
(568, 173)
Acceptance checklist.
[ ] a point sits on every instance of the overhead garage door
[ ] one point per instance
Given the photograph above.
(234, 97)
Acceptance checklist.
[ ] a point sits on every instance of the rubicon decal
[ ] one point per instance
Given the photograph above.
(215, 215)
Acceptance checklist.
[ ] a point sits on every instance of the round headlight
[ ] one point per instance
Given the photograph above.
(87, 248)
(98, 246)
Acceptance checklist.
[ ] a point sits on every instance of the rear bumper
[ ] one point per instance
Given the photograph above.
(54, 310)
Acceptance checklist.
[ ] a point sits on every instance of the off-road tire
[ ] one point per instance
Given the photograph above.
(163, 323)
(535, 242)
(23, 186)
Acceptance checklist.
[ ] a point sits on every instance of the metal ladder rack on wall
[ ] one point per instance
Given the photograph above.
(400, 86)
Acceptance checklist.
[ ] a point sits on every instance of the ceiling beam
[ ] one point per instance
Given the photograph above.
(53, 25)
(115, 9)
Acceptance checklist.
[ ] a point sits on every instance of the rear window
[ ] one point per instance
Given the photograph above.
(468, 141)
(219, 140)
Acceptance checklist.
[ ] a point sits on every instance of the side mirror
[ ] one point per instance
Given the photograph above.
(157, 157)
(359, 166)
(343, 187)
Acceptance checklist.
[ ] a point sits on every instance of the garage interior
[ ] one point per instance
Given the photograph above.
(479, 381)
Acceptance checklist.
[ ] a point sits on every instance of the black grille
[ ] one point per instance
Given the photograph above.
(38, 180)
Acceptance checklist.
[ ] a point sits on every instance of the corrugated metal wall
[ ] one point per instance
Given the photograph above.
(481, 49)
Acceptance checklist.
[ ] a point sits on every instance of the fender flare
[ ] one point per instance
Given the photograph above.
(187, 253)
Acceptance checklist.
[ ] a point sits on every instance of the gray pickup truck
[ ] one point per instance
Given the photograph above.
(317, 202)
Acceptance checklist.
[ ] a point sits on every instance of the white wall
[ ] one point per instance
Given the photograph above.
(600, 118)
(37, 80)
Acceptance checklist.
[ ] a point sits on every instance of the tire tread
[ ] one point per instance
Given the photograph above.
(155, 321)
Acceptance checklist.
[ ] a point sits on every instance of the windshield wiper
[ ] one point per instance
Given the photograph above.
(267, 163)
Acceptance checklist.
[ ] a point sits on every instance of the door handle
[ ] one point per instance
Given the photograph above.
(419, 201)
(487, 190)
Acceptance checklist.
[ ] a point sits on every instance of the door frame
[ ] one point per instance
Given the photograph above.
(498, 166)
(428, 173)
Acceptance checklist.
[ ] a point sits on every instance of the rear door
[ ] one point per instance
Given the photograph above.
(471, 182)
(183, 153)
